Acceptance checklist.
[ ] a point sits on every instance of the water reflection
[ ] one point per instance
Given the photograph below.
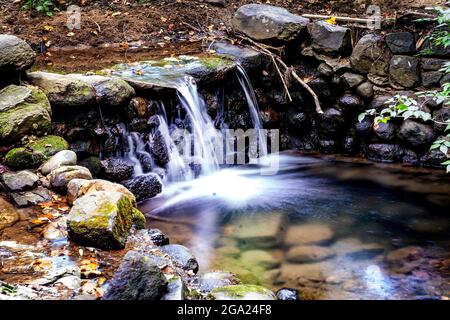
(332, 230)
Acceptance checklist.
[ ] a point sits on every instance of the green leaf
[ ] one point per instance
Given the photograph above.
(446, 163)
(443, 149)
(361, 116)
(434, 146)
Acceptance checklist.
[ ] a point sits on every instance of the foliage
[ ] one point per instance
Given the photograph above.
(41, 6)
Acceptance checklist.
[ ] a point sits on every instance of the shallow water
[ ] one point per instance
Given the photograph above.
(330, 229)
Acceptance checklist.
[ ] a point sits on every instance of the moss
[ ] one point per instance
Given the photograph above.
(215, 63)
(48, 145)
(240, 290)
(139, 220)
(23, 158)
(124, 219)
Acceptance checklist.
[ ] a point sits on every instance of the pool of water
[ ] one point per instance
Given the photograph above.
(330, 229)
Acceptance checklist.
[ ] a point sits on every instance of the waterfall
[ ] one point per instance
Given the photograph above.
(247, 87)
(207, 140)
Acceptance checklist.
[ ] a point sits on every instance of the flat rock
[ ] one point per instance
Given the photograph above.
(248, 58)
(19, 181)
(268, 23)
(60, 178)
(308, 234)
(309, 253)
(260, 231)
(31, 197)
(77, 188)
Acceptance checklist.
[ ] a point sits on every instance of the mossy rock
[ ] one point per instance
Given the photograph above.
(101, 219)
(139, 220)
(35, 152)
(242, 292)
(23, 111)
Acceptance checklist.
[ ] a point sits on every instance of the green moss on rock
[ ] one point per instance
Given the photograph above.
(242, 291)
(35, 152)
(139, 220)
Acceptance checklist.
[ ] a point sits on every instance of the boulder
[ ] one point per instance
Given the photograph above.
(109, 91)
(138, 278)
(330, 39)
(370, 55)
(144, 186)
(401, 42)
(332, 120)
(431, 79)
(60, 178)
(139, 220)
(404, 71)
(287, 294)
(416, 134)
(30, 198)
(385, 131)
(365, 90)
(35, 152)
(77, 188)
(181, 256)
(101, 219)
(8, 214)
(268, 23)
(308, 234)
(62, 90)
(352, 79)
(383, 152)
(117, 169)
(18, 181)
(23, 111)
(15, 55)
(242, 292)
(303, 254)
(62, 158)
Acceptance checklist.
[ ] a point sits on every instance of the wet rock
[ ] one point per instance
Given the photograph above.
(404, 71)
(18, 181)
(56, 230)
(351, 103)
(212, 280)
(355, 249)
(309, 254)
(332, 120)
(23, 111)
(268, 23)
(330, 39)
(287, 294)
(365, 126)
(248, 58)
(410, 157)
(401, 42)
(101, 219)
(15, 55)
(433, 158)
(415, 134)
(371, 56)
(62, 158)
(144, 186)
(308, 234)
(385, 131)
(146, 161)
(60, 178)
(352, 79)
(260, 231)
(441, 115)
(63, 90)
(138, 278)
(109, 91)
(242, 292)
(77, 188)
(117, 169)
(181, 256)
(35, 152)
(350, 145)
(259, 258)
(328, 145)
(158, 149)
(383, 152)
(31, 197)
(158, 238)
(365, 90)
(176, 289)
(431, 79)
(322, 87)
(94, 165)
(8, 214)
(405, 254)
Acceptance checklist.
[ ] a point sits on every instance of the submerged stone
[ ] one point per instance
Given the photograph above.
(101, 219)
(308, 234)
(242, 292)
(309, 253)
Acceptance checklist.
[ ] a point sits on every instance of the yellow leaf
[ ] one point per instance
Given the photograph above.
(48, 28)
(332, 20)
